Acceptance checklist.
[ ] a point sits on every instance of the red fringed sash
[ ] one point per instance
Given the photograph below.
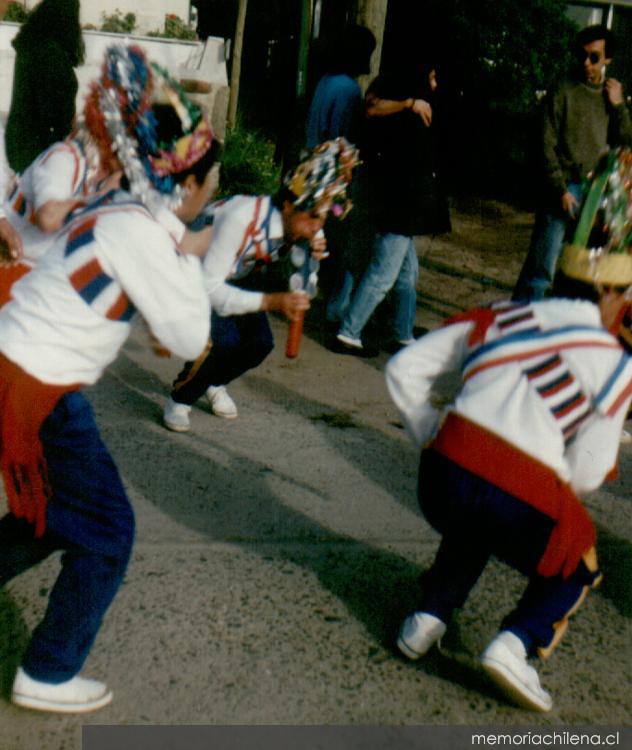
(25, 403)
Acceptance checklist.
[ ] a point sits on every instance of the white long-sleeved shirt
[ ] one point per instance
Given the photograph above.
(545, 377)
(245, 228)
(71, 314)
(58, 174)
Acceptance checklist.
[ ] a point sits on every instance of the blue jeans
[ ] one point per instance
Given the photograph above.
(240, 343)
(340, 298)
(90, 520)
(547, 240)
(394, 265)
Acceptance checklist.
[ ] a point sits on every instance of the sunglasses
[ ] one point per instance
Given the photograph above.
(594, 57)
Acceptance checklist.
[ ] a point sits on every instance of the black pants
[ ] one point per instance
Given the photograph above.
(239, 343)
(478, 520)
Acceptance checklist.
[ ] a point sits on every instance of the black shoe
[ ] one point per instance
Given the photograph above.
(340, 347)
(419, 331)
(393, 346)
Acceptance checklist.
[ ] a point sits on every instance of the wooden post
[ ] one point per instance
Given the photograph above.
(303, 48)
(372, 14)
(236, 66)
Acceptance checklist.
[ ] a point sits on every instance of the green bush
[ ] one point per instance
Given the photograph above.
(248, 165)
(503, 55)
(175, 28)
(513, 48)
(117, 23)
(16, 12)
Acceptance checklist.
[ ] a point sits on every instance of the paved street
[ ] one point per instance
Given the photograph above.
(276, 554)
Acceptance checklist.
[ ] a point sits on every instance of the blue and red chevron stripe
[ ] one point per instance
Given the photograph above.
(90, 280)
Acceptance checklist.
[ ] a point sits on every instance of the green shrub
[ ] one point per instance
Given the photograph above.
(248, 165)
(175, 28)
(117, 23)
(16, 12)
(513, 48)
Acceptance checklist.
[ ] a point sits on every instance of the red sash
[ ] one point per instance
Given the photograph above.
(8, 276)
(497, 461)
(25, 403)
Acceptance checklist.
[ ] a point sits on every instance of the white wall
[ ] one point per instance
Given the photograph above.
(201, 65)
(150, 14)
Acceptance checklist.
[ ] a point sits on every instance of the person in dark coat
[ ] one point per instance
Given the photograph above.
(48, 48)
(406, 198)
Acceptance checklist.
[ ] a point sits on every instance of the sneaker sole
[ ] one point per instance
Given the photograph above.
(176, 427)
(514, 689)
(407, 650)
(224, 415)
(39, 704)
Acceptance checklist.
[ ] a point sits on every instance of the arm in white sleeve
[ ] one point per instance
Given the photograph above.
(171, 223)
(593, 453)
(167, 288)
(57, 175)
(412, 374)
(218, 265)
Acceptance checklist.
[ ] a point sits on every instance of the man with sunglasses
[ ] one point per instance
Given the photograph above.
(582, 119)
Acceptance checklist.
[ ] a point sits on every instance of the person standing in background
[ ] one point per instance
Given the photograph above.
(337, 109)
(580, 121)
(406, 198)
(48, 48)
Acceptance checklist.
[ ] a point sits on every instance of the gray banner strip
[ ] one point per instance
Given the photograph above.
(351, 737)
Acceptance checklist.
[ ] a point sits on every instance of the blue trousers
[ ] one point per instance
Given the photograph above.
(547, 240)
(478, 520)
(393, 265)
(90, 520)
(240, 343)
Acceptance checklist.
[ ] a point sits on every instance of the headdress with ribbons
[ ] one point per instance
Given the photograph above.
(320, 181)
(165, 159)
(601, 250)
(120, 118)
(127, 78)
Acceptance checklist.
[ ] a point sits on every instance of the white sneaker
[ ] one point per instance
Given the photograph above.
(349, 341)
(418, 633)
(626, 438)
(222, 405)
(76, 695)
(505, 660)
(176, 416)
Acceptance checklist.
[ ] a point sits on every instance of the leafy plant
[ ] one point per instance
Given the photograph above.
(175, 28)
(513, 49)
(248, 165)
(500, 56)
(16, 12)
(117, 23)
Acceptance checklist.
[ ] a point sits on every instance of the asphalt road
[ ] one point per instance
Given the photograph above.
(277, 553)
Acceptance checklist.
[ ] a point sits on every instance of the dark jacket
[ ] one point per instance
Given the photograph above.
(402, 156)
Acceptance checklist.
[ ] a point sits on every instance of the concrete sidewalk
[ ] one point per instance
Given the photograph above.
(276, 555)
